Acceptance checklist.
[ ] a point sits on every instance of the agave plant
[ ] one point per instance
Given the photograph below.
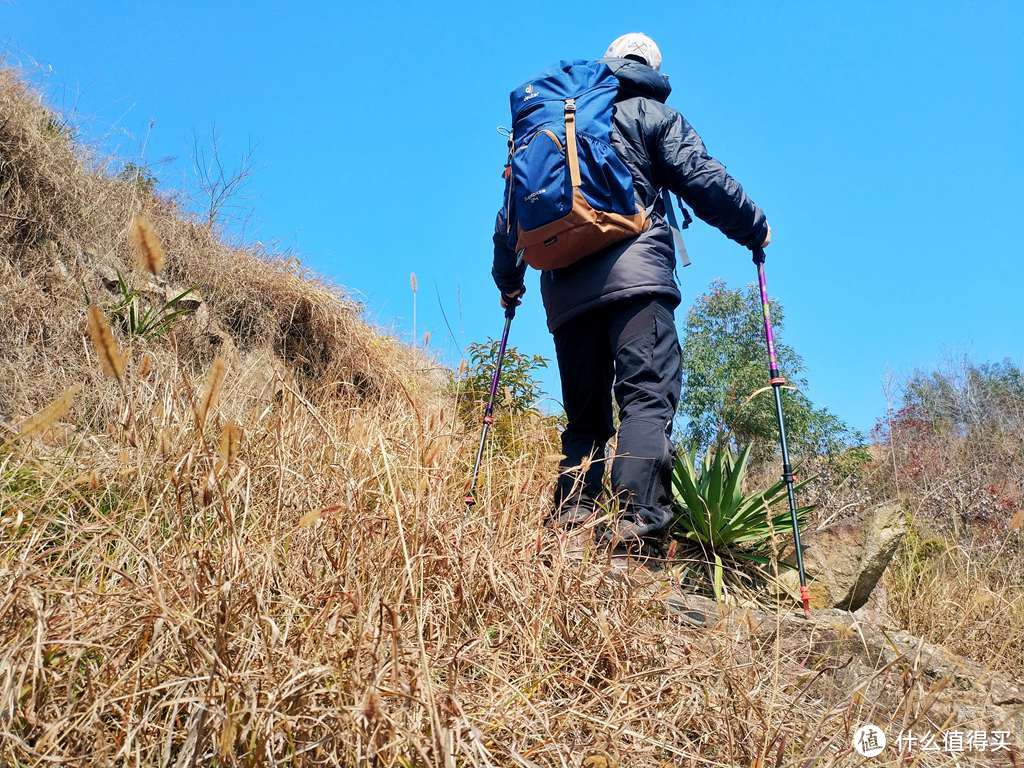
(150, 321)
(715, 512)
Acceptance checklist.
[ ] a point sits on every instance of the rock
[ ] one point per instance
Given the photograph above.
(61, 271)
(845, 561)
(886, 528)
(840, 654)
(195, 305)
(105, 272)
(876, 609)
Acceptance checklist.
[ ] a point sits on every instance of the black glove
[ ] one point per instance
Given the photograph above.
(513, 299)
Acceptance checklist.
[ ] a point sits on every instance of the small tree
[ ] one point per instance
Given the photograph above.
(724, 380)
(519, 392)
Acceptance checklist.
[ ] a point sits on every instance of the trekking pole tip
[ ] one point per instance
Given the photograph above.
(805, 598)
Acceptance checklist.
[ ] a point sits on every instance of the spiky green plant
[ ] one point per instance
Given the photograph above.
(716, 513)
(147, 320)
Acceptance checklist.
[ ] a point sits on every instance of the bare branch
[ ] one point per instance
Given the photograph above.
(220, 186)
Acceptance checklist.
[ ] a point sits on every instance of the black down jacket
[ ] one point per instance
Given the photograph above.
(661, 150)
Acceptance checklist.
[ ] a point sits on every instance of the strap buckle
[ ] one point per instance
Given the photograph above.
(570, 105)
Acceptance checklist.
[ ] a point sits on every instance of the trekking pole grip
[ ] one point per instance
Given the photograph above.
(758, 254)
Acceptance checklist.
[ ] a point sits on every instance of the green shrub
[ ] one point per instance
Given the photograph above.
(140, 176)
(519, 391)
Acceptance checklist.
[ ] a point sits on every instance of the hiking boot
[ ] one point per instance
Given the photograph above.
(570, 531)
(571, 516)
(568, 544)
(627, 538)
(574, 542)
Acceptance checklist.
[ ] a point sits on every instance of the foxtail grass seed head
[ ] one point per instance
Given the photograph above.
(149, 253)
(426, 338)
(91, 479)
(164, 443)
(105, 345)
(370, 709)
(585, 464)
(209, 488)
(211, 392)
(46, 417)
(230, 439)
(413, 284)
(430, 453)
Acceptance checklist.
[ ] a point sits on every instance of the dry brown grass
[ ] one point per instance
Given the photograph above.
(291, 578)
(325, 598)
(958, 578)
(968, 597)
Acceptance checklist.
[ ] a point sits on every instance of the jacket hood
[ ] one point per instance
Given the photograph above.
(638, 79)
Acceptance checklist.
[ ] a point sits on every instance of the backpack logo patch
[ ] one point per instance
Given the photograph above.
(530, 92)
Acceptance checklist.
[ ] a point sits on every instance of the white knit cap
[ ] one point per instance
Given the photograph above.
(635, 44)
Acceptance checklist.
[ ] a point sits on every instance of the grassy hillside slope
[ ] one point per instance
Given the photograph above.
(251, 549)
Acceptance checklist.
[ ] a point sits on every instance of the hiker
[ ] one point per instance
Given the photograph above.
(611, 309)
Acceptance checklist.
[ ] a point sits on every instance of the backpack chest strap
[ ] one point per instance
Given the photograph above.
(570, 142)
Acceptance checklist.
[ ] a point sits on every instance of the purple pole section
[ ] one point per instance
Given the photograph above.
(767, 313)
(497, 368)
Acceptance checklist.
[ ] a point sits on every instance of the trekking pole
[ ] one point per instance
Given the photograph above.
(776, 380)
(510, 312)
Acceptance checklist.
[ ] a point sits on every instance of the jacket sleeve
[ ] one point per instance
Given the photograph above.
(682, 164)
(508, 271)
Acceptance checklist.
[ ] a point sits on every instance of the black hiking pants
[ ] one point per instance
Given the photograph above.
(629, 347)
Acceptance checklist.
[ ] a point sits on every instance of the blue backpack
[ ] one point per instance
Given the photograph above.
(568, 193)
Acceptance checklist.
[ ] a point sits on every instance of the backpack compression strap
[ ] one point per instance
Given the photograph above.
(570, 142)
(673, 224)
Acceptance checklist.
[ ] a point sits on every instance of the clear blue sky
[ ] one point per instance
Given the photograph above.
(882, 139)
